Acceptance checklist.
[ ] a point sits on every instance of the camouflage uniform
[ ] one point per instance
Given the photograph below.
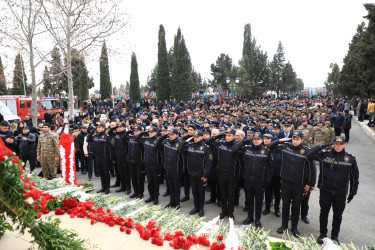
(318, 135)
(306, 131)
(48, 149)
(330, 134)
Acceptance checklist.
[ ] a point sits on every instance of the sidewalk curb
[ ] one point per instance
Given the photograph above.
(365, 128)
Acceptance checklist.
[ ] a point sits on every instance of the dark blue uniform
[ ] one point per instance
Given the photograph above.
(199, 161)
(339, 175)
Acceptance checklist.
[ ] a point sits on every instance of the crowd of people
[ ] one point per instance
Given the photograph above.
(270, 147)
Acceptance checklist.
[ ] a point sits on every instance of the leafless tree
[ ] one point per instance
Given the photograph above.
(80, 25)
(20, 24)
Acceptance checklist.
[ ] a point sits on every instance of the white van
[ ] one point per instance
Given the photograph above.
(7, 114)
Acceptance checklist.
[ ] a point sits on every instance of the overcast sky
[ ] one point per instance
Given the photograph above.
(313, 33)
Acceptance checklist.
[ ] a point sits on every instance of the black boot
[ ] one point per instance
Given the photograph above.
(258, 224)
(248, 220)
(149, 199)
(186, 198)
(266, 211)
(107, 191)
(101, 190)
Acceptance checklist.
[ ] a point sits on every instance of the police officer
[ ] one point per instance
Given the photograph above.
(103, 151)
(199, 162)
(191, 128)
(6, 135)
(226, 169)
(151, 160)
(338, 175)
(120, 156)
(212, 178)
(48, 152)
(134, 160)
(172, 165)
(294, 173)
(275, 185)
(80, 139)
(257, 173)
(27, 145)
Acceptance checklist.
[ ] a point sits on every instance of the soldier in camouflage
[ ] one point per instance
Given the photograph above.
(306, 131)
(48, 152)
(318, 134)
(330, 132)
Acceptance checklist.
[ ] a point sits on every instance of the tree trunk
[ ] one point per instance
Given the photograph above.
(34, 107)
(69, 69)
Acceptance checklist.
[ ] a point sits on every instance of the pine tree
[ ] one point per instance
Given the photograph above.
(3, 85)
(181, 82)
(333, 78)
(163, 88)
(46, 82)
(19, 78)
(220, 71)
(134, 92)
(105, 81)
(277, 68)
(56, 73)
(151, 80)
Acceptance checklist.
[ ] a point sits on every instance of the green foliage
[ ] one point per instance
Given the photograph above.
(163, 87)
(222, 69)
(53, 77)
(332, 81)
(279, 246)
(277, 67)
(48, 235)
(254, 238)
(4, 226)
(134, 92)
(181, 70)
(19, 78)
(151, 80)
(3, 85)
(254, 71)
(105, 82)
(357, 77)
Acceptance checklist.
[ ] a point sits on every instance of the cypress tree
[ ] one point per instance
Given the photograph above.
(105, 81)
(134, 92)
(162, 76)
(56, 76)
(46, 82)
(19, 77)
(3, 85)
(182, 82)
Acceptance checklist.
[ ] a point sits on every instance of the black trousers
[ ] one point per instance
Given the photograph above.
(226, 184)
(185, 179)
(337, 131)
(103, 169)
(123, 173)
(291, 194)
(31, 157)
(273, 189)
(305, 205)
(83, 161)
(338, 202)
(198, 190)
(173, 184)
(215, 190)
(347, 131)
(90, 165)
(153, 180)
(254, 191)
(137, 174)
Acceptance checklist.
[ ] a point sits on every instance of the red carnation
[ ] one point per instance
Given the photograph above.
(128, 231)
(122, 229)
(220, 237)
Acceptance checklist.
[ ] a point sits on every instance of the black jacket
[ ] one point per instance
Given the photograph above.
(119, 145)
(102, 146)
(134, 149)
(6, 135)
(198, 158)
(257, 166)
(337, 171)
(29, 145)
(226, 158)
(150, 151)
(294, 168)
(171, 154)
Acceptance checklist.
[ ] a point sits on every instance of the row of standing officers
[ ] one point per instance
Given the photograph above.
(261, 164)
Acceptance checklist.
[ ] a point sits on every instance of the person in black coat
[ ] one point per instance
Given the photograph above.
(27, 143)
(199, 162)
(339, 175)
(347, 124)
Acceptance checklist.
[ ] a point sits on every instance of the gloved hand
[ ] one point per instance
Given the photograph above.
(350, 197)
(220, 136)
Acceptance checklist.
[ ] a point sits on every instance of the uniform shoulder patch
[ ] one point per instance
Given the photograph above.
(210, 157)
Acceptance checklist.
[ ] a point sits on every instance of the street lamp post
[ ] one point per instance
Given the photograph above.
(232, 85)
